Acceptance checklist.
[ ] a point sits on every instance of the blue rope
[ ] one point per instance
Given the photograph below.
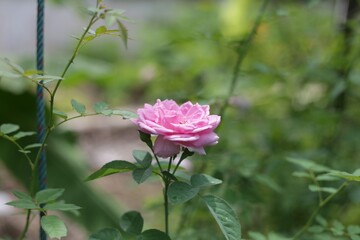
(40, 105)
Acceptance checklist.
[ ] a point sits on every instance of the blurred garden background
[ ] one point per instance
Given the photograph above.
(296, 93)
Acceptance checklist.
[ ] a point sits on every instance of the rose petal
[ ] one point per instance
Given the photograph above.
(164, 148)
(182, 138)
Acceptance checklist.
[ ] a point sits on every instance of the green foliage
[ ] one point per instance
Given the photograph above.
(143, 158)
(106, 234)
(224, 216)
(146, 138)
(7, 128)
(102, 108)
(180, 192)
(140, 175)
(78, 107)
(54, 227)
(117, 166)
(153, 234)
(132, 222)
(48, 195)
(204, 180)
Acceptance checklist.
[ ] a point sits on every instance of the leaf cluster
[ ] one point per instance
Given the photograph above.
(44, 201)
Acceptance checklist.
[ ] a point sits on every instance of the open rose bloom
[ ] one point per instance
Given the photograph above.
(188, 125)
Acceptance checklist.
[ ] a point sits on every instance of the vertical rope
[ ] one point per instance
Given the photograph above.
(40, 105)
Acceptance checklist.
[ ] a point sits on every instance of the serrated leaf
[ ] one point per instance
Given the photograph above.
(315, 188)
(353, 229)
(22, 195)
(125, 114)
(180, 192)
(10, 75)
(47, 78)
(93, 11)
(53, 226)
(23, 134)
(354, 237)
(348, 176)
(140, 175)
(24, 151)
(78, 107)
(60, 114)
(61, 206)
(48, 195)
(100, 30)
(117, 166)
(7, 128)
(34, 145)
(23, 203)
(99, 107)
(301, 174)
(144, 158)
(106, 234)
(153, 234)
(14, 66)
(326, 177)
(31, 72)
(338, 225)
(88, 38)
(224, 216)
(204, 180)
(309, 165)
(132, 222)
(257, 236)
(124, 32)
(107, 112)
(322, 221)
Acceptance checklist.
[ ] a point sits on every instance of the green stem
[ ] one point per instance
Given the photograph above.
(71, 60)
(177, 166)
(315, 212)
(157, 161)
(166, 205)
(22, 150)
(75, 117)
(23, 234)
(313, 177)
(241, 51)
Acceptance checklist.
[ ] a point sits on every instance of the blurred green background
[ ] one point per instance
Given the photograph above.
(297, 94)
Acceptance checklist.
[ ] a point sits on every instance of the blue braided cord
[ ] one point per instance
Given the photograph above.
(40, 104)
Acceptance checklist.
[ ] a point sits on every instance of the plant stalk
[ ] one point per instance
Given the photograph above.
(23, 234)
(71, 60)
(315, 212)
(166, 205)
(241, 51)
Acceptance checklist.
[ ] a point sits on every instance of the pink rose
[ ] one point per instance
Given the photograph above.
(189, 125)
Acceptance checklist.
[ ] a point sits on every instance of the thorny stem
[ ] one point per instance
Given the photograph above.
(71, 60)
(75, 117)
(315, 212)
(23, 234)
(166, 205)
(51, 124)
(241, 51)
(157, 161)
